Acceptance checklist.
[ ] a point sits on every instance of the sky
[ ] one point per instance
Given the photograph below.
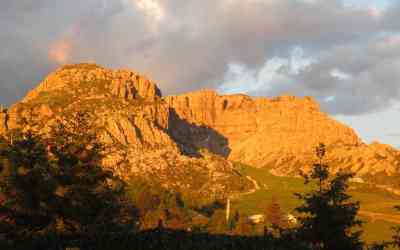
(345, 53)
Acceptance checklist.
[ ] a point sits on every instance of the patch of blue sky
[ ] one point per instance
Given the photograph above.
(379, 126)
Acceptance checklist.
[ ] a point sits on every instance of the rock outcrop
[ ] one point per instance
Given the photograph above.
(256, 127)
(279, 133)
(96, 80)
(130, 116)
(189, 141)
(3, 120)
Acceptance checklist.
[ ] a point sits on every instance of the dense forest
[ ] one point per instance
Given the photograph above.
(55, 194)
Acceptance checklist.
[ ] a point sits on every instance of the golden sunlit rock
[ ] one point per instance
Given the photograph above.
(197, 134)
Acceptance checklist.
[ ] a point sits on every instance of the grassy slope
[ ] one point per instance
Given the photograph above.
(282, 188)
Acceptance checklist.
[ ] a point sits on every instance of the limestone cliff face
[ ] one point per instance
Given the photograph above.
(189, 141)
(131, 118)
(121, 83)
(3, 121)
(279, 133)
(257, 127)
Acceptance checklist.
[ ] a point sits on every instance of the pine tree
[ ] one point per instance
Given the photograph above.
(217, 223)
(27, 185)
(328, 214)
(396, 235)
(243, 226)
(274, 214)
(57, 185)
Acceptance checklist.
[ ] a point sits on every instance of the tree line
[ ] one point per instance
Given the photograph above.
(55, 194)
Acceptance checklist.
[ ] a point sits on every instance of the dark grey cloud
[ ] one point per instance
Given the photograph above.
(368, 78)
(185, 45)
(27, 28)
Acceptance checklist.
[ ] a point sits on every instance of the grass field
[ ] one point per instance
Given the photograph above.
(377, 205)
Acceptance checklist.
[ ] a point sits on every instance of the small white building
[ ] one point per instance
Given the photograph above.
(257, 218)
(291, 219)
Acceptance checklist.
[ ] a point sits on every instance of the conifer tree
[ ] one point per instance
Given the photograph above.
(396, 235)
(57, 185)
(328, 216)
(27, 185)
(217, 223)
(243, 226)
(274, 214)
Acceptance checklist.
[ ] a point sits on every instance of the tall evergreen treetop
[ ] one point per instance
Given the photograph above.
(328, 215)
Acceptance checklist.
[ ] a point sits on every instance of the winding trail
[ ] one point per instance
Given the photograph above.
(255, 183)
(251, 191)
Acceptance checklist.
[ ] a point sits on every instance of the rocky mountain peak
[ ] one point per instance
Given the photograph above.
(170, 138)
(92, 80)
(130, 116)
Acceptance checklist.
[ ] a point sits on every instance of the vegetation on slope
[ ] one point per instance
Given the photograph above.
(380, 202)
(56, 186)
(54, 193)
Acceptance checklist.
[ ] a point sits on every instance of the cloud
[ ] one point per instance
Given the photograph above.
(151, 8)
(393, 134)
(185, 45)
(368, 80)
(352, 79)
(60, 51)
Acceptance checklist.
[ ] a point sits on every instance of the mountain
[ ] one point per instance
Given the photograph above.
(130, 117)
(190, 141)
(281, 133)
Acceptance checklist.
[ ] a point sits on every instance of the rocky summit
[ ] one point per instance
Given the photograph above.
(281, 134)
(190, 141)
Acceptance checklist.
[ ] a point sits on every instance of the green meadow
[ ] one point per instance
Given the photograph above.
(376, 204)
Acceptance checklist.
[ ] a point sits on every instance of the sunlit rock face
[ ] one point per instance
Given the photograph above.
(281, 133)
(131, 117)
(189, 141)
(257, 128)
(3, 121)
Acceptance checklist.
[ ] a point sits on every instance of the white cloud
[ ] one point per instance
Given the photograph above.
(298, 60)
(151, 8)
(329, 98)
(339, 74)
(274, 72)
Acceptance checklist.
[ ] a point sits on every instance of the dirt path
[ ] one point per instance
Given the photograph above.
(256, 187)
(380, 216)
